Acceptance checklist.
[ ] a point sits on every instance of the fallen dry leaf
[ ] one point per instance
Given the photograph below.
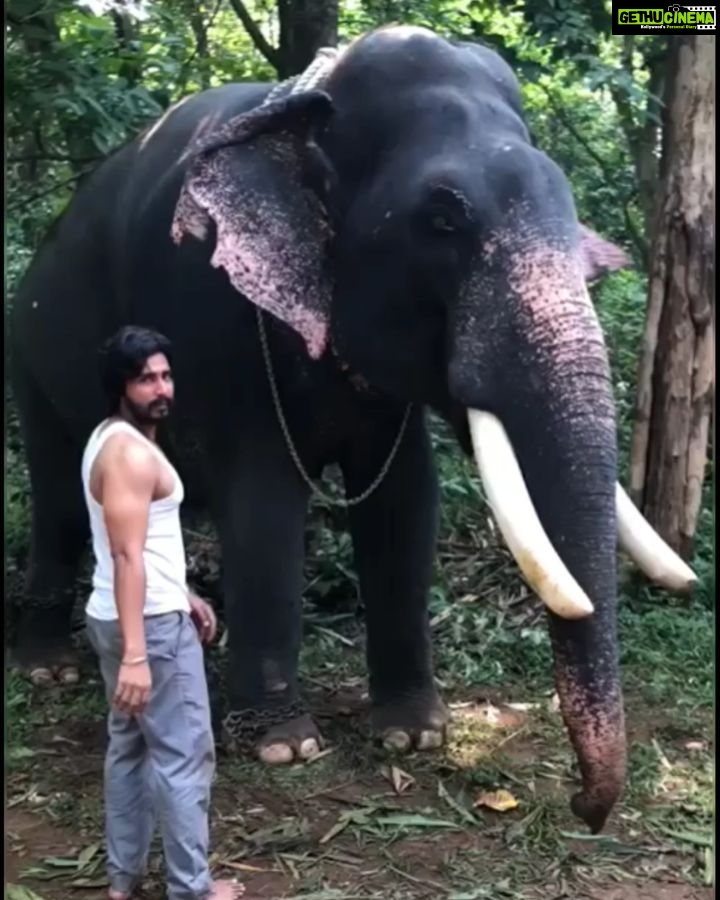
(320, 755)
(341, 824)
(240, 867)
(20, 892)
(441, 617)
(490, 713)
(499, 801)
(399, 780)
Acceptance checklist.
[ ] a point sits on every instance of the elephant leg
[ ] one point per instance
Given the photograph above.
(42, 646)
(394, 539)
(261, 512)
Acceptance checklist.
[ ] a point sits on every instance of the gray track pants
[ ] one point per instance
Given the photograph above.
(161, 763)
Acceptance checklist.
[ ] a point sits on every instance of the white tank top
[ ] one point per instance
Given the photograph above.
(164, 553)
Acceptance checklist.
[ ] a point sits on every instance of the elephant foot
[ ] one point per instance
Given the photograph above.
(46, 666)
(275, 739)
(296, 739)
(64, 674)
(416, 724)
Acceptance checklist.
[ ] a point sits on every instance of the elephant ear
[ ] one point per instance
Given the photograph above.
(250, 177)
(600, 257)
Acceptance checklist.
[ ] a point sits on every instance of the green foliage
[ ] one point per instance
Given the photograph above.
(17, 509)
(80, 85)
(17, 731)
(578, 128)
(620, 303)
(17, 483)
(667, 650)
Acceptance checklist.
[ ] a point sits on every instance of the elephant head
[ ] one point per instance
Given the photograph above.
(402, 219)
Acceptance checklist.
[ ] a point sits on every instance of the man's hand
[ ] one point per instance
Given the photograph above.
(204, 618)
(133, 688)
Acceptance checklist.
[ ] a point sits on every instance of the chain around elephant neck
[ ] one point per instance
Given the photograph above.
(326, 498)
(314, 76)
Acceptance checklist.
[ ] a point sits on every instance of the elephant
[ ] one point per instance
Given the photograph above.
(332, 262)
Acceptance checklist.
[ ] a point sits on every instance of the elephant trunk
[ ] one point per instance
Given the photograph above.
(555, 402)
(570, 484)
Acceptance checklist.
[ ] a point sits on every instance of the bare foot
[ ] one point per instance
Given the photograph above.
(227, 890)
(221, 890)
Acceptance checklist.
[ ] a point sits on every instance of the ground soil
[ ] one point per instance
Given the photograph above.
(251, 809)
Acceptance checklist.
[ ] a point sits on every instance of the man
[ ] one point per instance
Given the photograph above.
(146, 628)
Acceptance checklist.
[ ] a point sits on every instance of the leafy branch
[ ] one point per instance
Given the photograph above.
(609, 176)
(258, 38)
(200, 48)
(52, 157)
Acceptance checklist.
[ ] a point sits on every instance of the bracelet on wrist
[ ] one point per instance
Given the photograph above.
(133, 662)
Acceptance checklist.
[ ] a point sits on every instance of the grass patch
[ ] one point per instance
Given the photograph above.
(342, 826)
(667, 654)
(18, 723)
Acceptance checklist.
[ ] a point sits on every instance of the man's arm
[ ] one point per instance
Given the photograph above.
(127, 490)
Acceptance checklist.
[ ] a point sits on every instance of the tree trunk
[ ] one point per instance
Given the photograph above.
(677, 366)
(305, 27)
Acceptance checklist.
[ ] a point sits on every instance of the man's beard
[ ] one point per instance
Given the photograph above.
(149, 413)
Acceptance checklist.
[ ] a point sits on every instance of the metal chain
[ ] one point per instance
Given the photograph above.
(352, 501)
(49, 601)
(243, 726)
(315, 74)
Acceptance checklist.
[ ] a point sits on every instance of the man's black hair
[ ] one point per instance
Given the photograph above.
(123, 357)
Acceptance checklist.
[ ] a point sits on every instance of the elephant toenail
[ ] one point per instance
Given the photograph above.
(308, 748)
(276, 754)
(396, 740)
(430, 740)
(68, 675)
(41, 676)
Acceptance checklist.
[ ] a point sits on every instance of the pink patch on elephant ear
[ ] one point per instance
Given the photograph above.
(600, 257)
(271, 230)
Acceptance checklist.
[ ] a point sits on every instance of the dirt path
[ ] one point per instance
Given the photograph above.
(30, 839)
(354, 824)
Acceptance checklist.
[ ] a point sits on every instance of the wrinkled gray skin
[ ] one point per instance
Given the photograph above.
(408, 244)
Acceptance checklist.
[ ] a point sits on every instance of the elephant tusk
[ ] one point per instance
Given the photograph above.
(648, 550)
(518, 521)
